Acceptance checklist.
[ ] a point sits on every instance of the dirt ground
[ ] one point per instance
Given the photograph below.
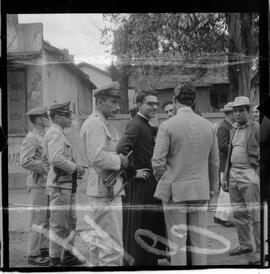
(18, 247)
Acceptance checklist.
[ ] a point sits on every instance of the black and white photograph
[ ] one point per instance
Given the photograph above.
(135, 141)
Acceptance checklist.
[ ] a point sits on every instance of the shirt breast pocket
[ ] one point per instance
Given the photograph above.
(68, 150)
(111, 142)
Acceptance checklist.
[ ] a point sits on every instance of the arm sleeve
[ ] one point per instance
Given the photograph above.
(95, 140)
(160, 152)
(128, 139)
(223, 140)
(56, 146)
(214, 164)
(28, 158)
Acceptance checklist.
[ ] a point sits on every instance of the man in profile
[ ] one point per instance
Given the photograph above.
(99, 139)
(32, 160)
(61, 186)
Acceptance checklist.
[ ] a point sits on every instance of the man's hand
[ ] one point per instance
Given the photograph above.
(124, 160)
(225, 185)
(80, 170)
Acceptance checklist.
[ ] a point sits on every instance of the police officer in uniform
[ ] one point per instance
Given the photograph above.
(61, 185)
(31, 159)
(99, 139)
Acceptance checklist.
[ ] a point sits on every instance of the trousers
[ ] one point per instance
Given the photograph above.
(62, 220)
(106, 250)
(39, 215)
(244, 189)
(190, 214)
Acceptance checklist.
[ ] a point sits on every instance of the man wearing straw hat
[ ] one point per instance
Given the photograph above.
(242, 181)
(224, 210)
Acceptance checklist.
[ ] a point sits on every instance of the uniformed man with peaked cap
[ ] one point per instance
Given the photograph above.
(99, 139)
(61, 185)
(111, 89)
(31, 159)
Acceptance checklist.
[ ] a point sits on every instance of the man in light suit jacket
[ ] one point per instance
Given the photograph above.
(186, 165)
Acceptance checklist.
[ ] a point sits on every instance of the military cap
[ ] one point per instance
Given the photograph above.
(37, 111)
(112, 89)
(61, 108)
(185, 91)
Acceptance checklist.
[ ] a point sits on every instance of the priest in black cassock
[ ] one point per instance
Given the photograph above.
(141, 210)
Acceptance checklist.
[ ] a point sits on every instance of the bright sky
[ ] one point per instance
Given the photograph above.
(79, 33)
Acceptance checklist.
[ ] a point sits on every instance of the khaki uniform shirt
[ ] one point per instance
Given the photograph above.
(59, 153)
(98, 141)
(32, 160)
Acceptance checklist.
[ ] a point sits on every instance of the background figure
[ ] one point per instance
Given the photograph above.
(242, 180)
(224, 211)
(185, 164)
(31, 159)
(61, 186)
(133, 111)
(256, 114)
(168, 108)
(99, 140)
(146, 212)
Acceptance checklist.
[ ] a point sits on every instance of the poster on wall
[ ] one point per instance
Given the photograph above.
(16, 102)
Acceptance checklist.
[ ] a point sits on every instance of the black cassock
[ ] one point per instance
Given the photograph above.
(140, 209)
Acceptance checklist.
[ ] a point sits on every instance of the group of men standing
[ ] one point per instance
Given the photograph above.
(161, 180)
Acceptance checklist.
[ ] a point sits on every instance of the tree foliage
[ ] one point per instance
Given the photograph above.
(155, 42)
(140, 38)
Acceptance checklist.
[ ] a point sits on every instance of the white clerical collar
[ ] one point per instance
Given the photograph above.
(142, 116)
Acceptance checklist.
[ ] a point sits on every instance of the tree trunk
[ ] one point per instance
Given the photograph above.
(242, 48)
(124, 77)
(234, 47)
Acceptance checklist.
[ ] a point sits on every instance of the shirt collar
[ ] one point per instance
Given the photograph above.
(184, 109)
(101, 116)
(226, 119)
(236, 125)
(57, 126)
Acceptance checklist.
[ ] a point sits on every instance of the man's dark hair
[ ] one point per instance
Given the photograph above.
(141, 96)
(170, 102)
(185, 94)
